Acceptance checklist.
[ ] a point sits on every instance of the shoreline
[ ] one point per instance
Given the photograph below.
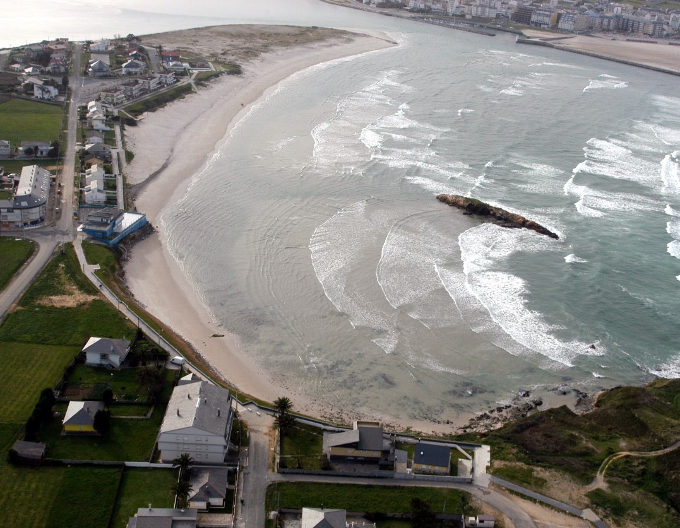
(173, 145)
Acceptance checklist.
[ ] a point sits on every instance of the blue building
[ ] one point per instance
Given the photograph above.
(111, 226)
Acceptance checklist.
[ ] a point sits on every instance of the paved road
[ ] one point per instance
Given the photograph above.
(254, 475)
(49, 237)
(153, 58)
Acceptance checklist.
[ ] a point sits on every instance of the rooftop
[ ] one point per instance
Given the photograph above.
(201, 405)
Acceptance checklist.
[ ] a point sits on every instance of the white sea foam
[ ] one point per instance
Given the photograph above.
(605, 81)
(336, 248)
(673, 249)
(462, 111)
(370, 138)
(670, 172)
(669, 369)
(503, 294)
(571, 258)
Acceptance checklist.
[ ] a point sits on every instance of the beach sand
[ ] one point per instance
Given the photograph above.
(660, 55)
(172, 144)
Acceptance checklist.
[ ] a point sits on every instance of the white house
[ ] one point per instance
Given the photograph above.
(94, 194)
(95, 173)
(133, 67)
(34, 149)
(99, 69)
(198, 422)
(323, 518)
(100, 46)
(5, 148)
(164, 517)
(209, 487)
(29, 204)
(44, 91)
(105, 352)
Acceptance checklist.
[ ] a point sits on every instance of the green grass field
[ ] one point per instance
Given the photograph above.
(27, 495)
(86, 498)
(301, 447)
(140, 487)
(27, 369)
(377, 499)
(22, 120)
(13, 254)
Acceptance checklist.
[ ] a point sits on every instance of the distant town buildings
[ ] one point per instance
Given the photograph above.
(568, 16)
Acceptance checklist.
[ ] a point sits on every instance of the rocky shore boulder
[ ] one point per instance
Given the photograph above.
(500, 216)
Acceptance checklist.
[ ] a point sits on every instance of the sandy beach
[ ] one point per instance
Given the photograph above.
(649, 54)
(172, 144)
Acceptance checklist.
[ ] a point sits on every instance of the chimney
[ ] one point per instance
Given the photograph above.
(149, 506)
(218, 412)
(188, 395)
(177, 412)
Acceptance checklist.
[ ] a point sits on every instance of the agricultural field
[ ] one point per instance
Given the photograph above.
(22, 120)
(13, 254)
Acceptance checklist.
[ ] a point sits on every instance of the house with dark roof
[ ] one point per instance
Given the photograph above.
(164, 518)
(209, 487)
(323, 518)
(365, 442)
(198, 422)
(105, 352)
(79, 417)
(431, 459)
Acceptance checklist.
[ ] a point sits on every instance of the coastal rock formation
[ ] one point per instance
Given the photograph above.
(501, 216)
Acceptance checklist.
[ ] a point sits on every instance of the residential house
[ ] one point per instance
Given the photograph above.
(323, 518)
(133, 67)
(112, 96)
(167, 78)
(94, 194)
(101, 46)
(209, 487)
(109, 225)
(29, 204)
(97, 121)
(164, 518)
(175, 66)
(99, 69)
(5, 148)
(431, 459)
(45, 92)
(34, 149)
(101, 150)
(198, 422)
(94, 136)
(170, 56)
(57, 65)
(480, 521)
(33, 69)
(151, 82)
(16, 67)
(133, 89)
(105, 352)
(365, 442)
(79, 417)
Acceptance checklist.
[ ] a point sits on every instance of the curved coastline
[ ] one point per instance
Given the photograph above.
(175, 144)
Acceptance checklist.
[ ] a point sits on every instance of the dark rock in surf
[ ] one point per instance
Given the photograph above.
(500, 216)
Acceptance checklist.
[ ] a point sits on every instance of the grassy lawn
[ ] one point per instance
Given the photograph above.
(122, 382)
(129, 410)
(159, 100)
(370, 499)
(27, 495)
(22, 120)
(140, 487)
(13, 253)
(129, 439)
(28, 369)
(86, 497)
(301, 447)
(15, 166)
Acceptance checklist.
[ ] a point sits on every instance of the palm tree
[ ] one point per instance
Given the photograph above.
(183, 461)
(284, 419)
(182, 489)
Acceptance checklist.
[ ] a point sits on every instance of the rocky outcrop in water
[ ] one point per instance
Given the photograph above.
(500, 216)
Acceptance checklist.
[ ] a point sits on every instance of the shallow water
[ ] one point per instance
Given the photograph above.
(328, 254)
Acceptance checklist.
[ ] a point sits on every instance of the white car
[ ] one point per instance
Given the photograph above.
(178, 360)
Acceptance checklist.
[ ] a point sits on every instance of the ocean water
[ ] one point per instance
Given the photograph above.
(313, 232)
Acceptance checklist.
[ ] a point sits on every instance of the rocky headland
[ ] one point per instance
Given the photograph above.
(498, 215)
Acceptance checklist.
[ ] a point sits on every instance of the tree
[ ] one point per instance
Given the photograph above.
(183, 461)
(152, 379)
(102, 422)
(421, 514)
(107, 396)
(182, 489)
(284, 419)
